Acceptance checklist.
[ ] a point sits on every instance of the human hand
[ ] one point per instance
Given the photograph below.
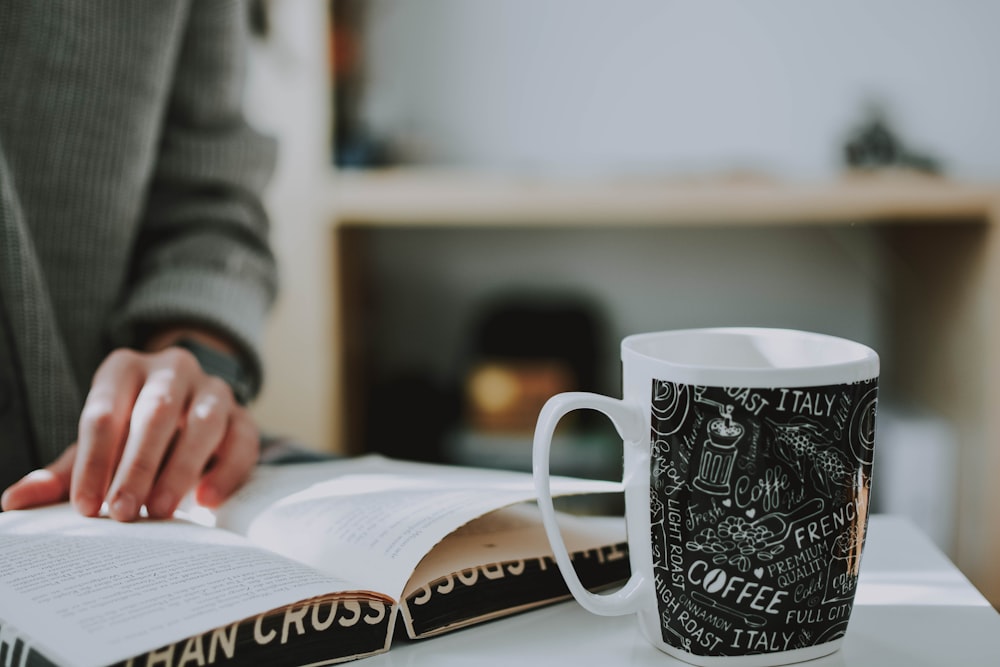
(153, 427)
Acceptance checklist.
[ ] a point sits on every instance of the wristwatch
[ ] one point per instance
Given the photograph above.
(228, 367)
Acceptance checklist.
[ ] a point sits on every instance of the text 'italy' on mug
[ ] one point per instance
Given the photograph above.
(747, 473)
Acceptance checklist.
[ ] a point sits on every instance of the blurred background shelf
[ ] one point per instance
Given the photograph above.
(442, 197)
(933, 245)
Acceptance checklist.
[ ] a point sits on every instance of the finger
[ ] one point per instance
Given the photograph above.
(103, 428)
(205, 427)
(42, 487)
(156, 418)
(233, 462)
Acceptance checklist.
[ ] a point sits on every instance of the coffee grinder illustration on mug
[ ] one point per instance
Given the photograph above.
(759, 508)
(719, 452)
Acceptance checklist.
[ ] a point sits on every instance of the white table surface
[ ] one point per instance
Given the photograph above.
(913, 609)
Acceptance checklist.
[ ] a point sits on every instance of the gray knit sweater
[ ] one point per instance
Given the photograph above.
(129, 197)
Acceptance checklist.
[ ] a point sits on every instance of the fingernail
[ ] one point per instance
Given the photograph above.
(87, 505)
(209, 496)
(124, 507)
(162, 507)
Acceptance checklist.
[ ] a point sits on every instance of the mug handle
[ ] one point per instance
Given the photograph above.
(628, 422)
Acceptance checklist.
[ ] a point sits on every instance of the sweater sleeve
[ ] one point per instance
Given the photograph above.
(202, 255)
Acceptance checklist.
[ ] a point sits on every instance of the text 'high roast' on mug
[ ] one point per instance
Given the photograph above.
(748, 456)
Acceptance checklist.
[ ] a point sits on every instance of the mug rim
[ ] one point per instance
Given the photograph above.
(831, 359)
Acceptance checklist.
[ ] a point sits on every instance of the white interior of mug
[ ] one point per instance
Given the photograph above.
(755, 356)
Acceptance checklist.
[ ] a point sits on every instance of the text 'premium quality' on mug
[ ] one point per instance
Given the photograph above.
(747, 473)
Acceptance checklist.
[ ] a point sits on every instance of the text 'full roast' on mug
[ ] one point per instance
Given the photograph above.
(748, 456)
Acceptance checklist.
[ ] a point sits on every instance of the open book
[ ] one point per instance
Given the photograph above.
(309, 564)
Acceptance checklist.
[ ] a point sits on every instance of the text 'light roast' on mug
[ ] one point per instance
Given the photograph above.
(748, 457)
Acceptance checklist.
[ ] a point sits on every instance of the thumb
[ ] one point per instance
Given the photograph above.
(42, 487)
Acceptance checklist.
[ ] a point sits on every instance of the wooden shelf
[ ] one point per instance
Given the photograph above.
(423, 197)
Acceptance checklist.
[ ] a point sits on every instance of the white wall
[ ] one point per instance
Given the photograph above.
(288, 97)
(606, 85)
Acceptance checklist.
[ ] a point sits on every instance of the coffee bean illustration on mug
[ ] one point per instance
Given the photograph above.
(759, 507)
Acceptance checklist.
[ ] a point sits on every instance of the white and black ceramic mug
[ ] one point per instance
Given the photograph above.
(747, 473)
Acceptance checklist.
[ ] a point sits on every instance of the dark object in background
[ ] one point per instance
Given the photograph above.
(408, 417)
(527, 348)
(874, 145)
(544, 344)
(354, 145)
(542, 327)
(259, 18)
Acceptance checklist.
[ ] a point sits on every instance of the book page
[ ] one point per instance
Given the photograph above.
(371, 520)
(512, 534)
(107, 591)
(501, 563)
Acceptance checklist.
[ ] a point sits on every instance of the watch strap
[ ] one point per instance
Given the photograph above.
(225, 366)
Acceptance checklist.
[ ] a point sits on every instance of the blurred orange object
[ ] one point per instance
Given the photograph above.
(506, 396)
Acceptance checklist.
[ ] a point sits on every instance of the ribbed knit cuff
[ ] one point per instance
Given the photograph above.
(229, 305)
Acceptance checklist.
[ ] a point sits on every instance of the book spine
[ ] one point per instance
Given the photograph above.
(322, 631)
(498, 589)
